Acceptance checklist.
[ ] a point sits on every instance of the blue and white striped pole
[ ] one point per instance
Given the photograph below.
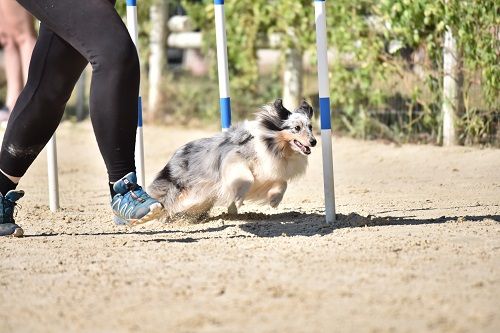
(324, 107)
(223, 73)
(222, 68)
(139, 141)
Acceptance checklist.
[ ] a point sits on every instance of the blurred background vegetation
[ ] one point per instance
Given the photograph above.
(386, 64)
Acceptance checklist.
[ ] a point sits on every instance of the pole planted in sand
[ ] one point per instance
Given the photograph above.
(222, 66)
(324, 107)
(139, 142)
(223, 73)
(53, 174)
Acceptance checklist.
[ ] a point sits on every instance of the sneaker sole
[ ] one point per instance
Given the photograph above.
(156, 211)
(18, 232)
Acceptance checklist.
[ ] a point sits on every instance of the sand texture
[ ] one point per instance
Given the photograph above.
(416, 249)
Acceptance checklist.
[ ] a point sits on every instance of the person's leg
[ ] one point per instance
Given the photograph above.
(98, 33)
(54, 70)
(95, 29)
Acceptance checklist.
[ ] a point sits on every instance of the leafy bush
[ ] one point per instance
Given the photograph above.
(365, 76)
(386, 75)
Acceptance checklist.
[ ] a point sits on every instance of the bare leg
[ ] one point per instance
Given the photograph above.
(13, 72)
(25, 38)
(18, 38)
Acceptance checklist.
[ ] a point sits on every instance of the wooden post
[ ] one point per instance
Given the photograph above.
(292, 79)
(158, 14)
(452, 88)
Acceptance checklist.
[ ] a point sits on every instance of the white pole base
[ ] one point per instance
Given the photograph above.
(326, 144)
(139, 157)
(52, 174)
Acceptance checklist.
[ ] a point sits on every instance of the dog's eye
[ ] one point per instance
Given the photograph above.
(297, 128)
(310, 127)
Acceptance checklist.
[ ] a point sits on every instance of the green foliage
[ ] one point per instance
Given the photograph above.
(357, 65)
(245, 21)
(192, 99)
(365, 77)
(248, 25)
(475, 25)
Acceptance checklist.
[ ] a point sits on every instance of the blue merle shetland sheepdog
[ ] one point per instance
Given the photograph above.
(251, 161)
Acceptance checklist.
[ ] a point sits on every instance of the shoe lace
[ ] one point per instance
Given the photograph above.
(138, 194)
(17, 208)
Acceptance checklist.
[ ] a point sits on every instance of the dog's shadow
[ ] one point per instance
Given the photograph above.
(287, 224)
(310, 224)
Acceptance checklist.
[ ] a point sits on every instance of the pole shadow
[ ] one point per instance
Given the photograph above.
(307, 224)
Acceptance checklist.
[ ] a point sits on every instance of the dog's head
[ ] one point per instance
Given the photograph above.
(288, 130)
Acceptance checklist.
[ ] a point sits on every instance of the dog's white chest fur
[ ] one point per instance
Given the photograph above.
(268, 167)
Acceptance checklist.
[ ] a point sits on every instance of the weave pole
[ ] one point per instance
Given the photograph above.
(139, 141)
(53, 174)
(324, 107)
(222, 67)
(223, 73)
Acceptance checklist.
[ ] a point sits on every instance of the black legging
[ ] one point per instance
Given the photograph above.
(73, 33)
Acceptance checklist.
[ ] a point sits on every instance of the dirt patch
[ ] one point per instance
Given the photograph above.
(416, 248)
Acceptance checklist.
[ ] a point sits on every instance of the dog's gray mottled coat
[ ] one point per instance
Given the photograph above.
(250, 161)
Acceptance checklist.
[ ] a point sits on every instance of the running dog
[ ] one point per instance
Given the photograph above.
(251, 161)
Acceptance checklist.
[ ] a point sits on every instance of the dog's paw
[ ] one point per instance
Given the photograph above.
(275, 199)
(276, 193)
(240, 189)
(232, 209)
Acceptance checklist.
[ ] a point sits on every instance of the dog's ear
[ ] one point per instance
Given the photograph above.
(305, 108)
(282, 112)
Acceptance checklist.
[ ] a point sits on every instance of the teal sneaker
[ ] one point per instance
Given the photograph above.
(132, 205)
(8, 227)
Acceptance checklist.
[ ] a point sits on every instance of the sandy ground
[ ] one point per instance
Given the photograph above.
(416, 249)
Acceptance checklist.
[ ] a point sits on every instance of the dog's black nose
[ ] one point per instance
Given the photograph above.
(313, 142)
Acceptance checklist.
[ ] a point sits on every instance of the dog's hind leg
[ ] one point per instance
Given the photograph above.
(165, 192)
(275, 193)
(194, 205)
(237, 179)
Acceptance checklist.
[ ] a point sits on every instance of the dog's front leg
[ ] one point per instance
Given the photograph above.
(275, 193)
(238, 179)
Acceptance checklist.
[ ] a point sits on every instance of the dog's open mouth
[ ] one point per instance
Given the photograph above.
(304, 149)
